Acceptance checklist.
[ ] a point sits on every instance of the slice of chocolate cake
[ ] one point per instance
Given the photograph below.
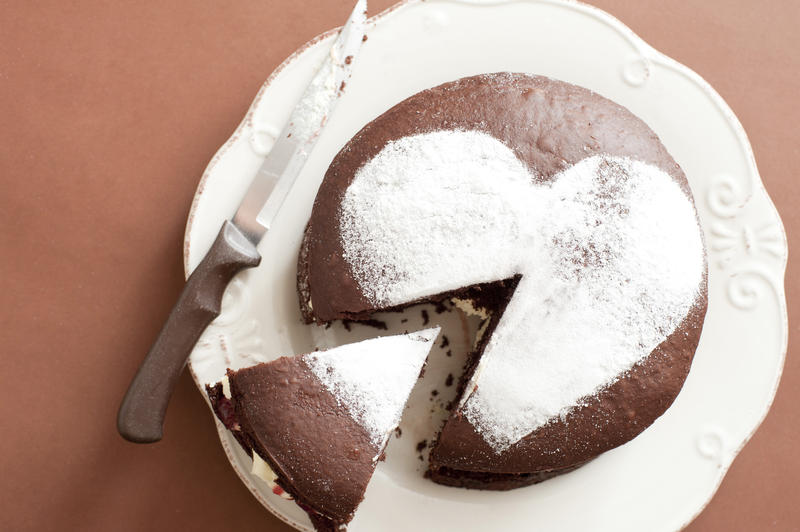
(557, 215)
(317, 424)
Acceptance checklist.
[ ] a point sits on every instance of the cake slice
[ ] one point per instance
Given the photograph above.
(317, 424)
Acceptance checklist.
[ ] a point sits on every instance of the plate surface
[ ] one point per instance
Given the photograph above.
(684, 455)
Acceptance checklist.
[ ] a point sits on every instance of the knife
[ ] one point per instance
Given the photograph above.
(141, 414)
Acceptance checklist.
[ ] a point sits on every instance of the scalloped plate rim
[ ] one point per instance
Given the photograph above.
(652, 55)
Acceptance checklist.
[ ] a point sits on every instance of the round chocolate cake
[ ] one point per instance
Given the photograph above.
(557, 216)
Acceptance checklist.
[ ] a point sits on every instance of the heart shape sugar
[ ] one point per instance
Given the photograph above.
(609, 250)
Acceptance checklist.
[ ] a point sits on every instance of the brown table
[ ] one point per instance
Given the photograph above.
(109, 112)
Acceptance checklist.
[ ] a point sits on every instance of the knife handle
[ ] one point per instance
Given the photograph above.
(141, 414)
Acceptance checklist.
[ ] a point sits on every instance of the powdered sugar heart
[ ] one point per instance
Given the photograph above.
(610, 254)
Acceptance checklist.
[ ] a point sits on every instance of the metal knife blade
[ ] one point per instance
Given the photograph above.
(141, 413)
(286, 159)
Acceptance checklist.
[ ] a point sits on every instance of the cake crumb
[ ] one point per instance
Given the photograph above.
(376, 324)
(398, 432)
(449, 380)
(449, 353)
(421, 446)
(425, 317)
(445, 341)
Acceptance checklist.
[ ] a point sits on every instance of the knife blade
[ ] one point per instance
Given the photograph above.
(141, 414)
(290, 151)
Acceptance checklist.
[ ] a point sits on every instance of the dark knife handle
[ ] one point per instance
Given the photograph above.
(141, 414)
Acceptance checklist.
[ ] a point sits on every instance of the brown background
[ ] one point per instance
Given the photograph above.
(110, 111)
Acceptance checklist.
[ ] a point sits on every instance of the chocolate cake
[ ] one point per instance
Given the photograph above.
(317, 424)
(557, 216)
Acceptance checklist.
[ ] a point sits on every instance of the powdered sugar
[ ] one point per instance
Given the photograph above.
(312, 109)
(373, 378)
(328, 83)
(610, 254)
(432, 212)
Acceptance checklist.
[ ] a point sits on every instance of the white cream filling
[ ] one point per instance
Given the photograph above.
(468, 307)
(226, 387)
(262, 470)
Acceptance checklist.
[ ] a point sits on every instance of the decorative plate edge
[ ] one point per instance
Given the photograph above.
(649, 55)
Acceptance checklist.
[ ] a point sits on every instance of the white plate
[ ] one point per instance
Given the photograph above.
(663, 478)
